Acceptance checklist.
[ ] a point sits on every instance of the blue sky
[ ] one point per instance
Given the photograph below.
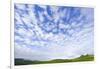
(46, 32)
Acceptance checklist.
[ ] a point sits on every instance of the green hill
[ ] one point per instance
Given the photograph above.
(81, 58)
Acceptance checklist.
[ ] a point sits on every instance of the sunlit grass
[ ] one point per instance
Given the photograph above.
(79, 59)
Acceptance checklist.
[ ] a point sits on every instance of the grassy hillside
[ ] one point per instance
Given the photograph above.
(81, 58)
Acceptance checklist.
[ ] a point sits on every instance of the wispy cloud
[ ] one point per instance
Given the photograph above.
(45, 32)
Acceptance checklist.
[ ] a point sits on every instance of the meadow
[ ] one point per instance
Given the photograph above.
(79, 59)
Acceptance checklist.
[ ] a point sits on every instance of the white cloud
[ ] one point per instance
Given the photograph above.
(20, 6)
(46, 46)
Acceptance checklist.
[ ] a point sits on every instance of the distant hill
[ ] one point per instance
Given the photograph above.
(81, 58)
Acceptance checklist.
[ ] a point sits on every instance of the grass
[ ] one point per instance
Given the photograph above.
(81, 58)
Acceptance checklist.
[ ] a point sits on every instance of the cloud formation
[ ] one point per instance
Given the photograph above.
(44, 32)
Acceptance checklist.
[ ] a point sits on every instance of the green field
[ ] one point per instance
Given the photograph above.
(81, 58)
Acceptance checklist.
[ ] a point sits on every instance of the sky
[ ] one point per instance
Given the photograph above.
(47, 32)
